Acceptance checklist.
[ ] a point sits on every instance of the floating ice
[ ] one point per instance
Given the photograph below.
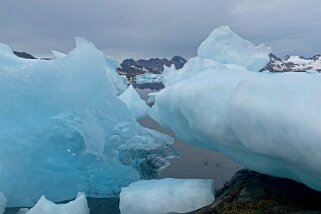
(134, 103)
(64, 131)
(166, 196)
(58, 54)
(3, 202)
(268, 122)
(44, 206)
(224, 46)
(119, 83)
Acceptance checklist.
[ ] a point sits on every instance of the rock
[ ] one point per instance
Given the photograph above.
(251, 192)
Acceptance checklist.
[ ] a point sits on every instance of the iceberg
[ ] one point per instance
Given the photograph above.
(224, 46)
(3, 202)
(44, 206)
(58, 54)
(166, 196)
(268, 122)
(63, 130)
(134, 103)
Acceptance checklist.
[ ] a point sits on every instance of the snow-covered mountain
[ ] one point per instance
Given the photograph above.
(131, 67)
(293, 63)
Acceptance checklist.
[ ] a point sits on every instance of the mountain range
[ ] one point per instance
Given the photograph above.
(130, 67)
(294, 64)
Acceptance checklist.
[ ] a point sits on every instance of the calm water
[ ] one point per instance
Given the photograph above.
(195, 162)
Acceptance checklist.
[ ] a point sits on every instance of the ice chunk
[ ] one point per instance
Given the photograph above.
(224, 46)
(134, 103)
(63, 130)
(119, 83)
(58, 54)
(44, 206)
(267, 122)
(3, 202)
(166, 196)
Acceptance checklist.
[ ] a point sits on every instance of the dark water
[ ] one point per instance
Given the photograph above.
(195, 162)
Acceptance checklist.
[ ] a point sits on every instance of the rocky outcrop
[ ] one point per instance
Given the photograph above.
(252, 192)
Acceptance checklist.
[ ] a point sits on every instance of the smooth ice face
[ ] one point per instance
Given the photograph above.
(64, 131)
(267, 122)
(224, 46)
(134, 103)
(3, 203)
(44, 206)
(166, 196)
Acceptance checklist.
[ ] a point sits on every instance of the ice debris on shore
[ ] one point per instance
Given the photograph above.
(268, 122)
(166, 196)
(63, 130)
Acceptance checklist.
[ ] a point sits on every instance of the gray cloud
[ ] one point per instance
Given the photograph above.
(148, 28)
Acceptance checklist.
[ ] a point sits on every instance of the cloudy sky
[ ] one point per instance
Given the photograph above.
(163, 28)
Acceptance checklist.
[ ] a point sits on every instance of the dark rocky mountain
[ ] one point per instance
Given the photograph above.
(24, 55)
(293, 64)
(131, 67)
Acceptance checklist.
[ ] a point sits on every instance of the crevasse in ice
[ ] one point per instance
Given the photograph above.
(268, 122)
(63, 130)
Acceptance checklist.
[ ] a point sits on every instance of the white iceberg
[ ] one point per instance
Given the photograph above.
(3, 202)
(166, 196)
(224, 46)
(58, 54)
(268, 122)
(44, 206)
(134, 103)
(63, 130)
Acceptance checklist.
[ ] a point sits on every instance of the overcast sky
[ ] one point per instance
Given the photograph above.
(163, 28)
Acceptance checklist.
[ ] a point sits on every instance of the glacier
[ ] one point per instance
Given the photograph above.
(166, 196)
(63, 130)
(268, 122)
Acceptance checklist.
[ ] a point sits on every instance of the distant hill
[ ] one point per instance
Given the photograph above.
(131, 67)
(24, 55)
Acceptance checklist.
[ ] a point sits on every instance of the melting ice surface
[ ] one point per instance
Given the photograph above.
(268, 122)
(63, 130)
(166, 196)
